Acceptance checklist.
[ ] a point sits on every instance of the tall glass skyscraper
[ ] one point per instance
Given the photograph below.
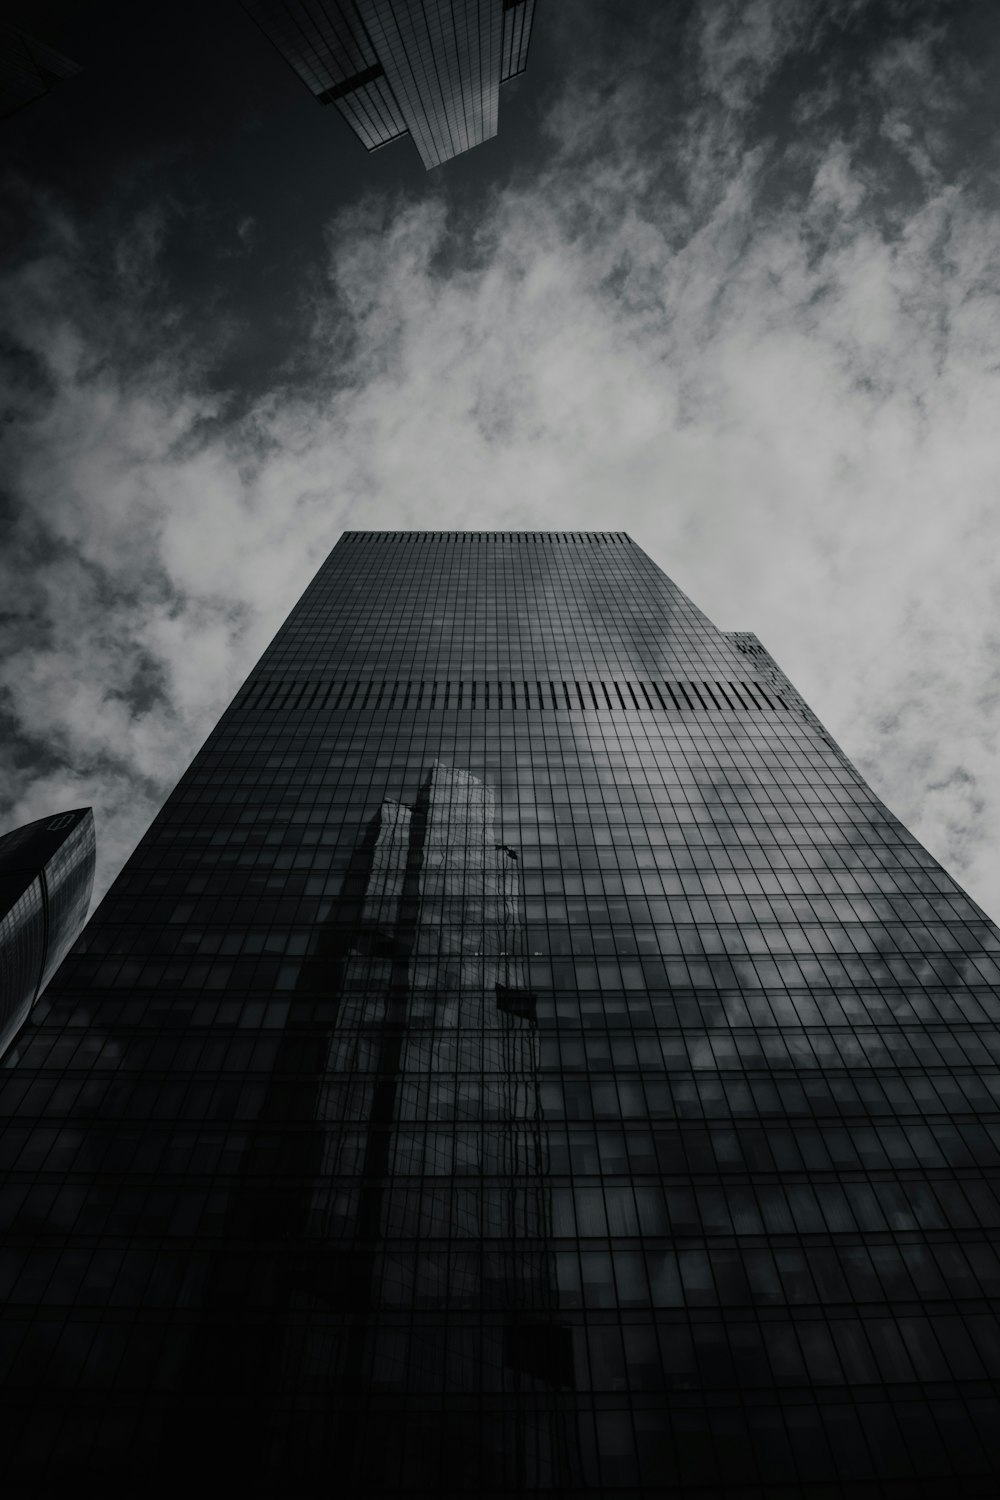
(431, 69)
(523, 1055)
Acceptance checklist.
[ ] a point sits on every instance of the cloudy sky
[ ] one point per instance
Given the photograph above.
(729, 279)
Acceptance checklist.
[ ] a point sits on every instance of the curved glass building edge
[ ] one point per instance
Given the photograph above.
(46, 879)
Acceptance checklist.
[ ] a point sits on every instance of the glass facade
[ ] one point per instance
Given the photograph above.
(29, 69)
(430, 68)
(46, 879)
(522, 1055)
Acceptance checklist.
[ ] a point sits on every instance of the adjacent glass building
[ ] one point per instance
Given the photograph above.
(431, 69)
(46, 878)
(29, 69)
(523, 1055)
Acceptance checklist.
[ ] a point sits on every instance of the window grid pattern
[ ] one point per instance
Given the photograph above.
(517, 18)
(328, 46)
(600, 1102)
(432, 68)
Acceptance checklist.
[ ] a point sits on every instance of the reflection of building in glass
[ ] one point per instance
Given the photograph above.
(46, 877)
(522, 1055)
(436, 1030)
(428, 68)
(29, 68)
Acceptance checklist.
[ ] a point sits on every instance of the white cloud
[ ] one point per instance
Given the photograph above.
(782, 386)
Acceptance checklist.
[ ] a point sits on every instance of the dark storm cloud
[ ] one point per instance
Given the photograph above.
(739, 297)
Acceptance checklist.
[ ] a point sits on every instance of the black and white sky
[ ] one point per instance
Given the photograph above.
(729, 279)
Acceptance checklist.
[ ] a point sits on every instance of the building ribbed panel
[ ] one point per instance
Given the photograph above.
(432, 68)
